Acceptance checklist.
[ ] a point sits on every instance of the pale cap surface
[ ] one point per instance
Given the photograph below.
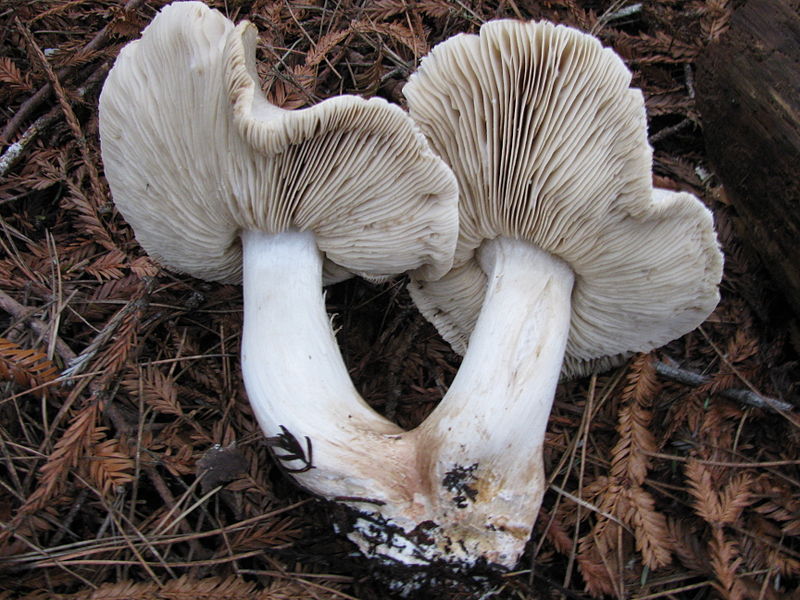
(549, 145)
(194, 154)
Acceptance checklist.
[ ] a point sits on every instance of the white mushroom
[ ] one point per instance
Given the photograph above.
(564, 249)
(216, 182)
(559, 223)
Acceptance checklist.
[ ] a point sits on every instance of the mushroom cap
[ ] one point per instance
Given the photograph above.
(195, 154)
(549, 145)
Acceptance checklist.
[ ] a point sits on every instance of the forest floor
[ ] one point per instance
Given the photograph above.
(119, 377)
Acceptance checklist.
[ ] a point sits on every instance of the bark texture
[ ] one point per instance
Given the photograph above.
(748, 94)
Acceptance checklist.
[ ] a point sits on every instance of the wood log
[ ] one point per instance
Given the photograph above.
(748, 94)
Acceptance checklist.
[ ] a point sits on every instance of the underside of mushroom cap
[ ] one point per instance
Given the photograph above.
(166, 145)
(189, 170)
(549, 145)
(366, 181)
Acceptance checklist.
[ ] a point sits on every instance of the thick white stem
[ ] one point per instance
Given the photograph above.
(488, 432)
(467, 483)
(293, 370)
(479, 454)
(504, 388)
(513, 361)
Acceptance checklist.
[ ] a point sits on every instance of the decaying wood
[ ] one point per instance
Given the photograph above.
(740, 395)
(748, 93)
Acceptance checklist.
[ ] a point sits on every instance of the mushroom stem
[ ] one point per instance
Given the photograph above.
(515, 352)
(479, 454)
(296, 379)
(502, 396)
(466, 485)
(489, 429)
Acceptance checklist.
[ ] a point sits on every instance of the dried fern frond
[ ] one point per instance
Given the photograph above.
(652, 534)
(184, 588)
(437, 9)
(659, 48)
(725, 561)
(65, 456)
(778, 502)
(715, 18)
(394, 31)
(87, 218)
(26, 367)
(108, 266)
(688, 546)
(109, 467)
(718, 505)
(156, 390)
(597, 567)
(325, 45)
(669, 103)
(11, 76)
(630, 458)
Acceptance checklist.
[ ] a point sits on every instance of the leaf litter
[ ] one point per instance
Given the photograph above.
(131, 464)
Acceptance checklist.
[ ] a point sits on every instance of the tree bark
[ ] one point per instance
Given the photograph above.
(748, 94)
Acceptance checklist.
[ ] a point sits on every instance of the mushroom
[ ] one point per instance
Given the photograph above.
(564, 247)
(218, 183)
(567, 261)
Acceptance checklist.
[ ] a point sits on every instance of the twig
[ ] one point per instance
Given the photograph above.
(744, 396)
(80, 362)
(119, 524)
(158, 482)
(64, 525)
(98, 191)
(31, 104)
(786, 414)
(668, 131)
(90, 547)
(309, 38)
(42, 551)
(588, 505)
(169, 500)
(281, 572)
(149, 564)
(516, 10)
(25, 314)
(26, 109)
(625, 11)
(552, 583)
(14, 152)
(689, 77)
(722, 463)
(672, 592)
(468, 10)
(614, 12)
